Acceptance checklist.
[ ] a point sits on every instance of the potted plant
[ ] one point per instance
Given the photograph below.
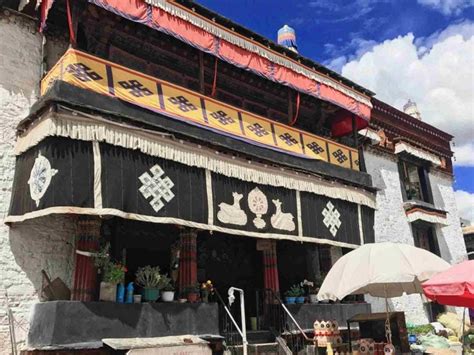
(207, 289)
(167, 289)
(149, 278)
(112, 273)
(300, 298)
(192, 293)
(293, 293)
(312, 290)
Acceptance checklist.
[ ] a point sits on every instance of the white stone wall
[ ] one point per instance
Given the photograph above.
(450, 237)
(45, 243)
(391, 223)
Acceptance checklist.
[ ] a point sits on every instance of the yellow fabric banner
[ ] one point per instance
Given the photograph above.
(107, 78)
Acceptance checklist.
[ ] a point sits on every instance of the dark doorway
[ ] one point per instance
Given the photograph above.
(231, 261)
(138, 244)
(424, 237)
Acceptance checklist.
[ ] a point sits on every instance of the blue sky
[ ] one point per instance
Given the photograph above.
(432, 42)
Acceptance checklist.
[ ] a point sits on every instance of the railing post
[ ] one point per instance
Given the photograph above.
(243, 330)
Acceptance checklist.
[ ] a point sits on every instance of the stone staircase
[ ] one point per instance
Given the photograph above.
(261, 342)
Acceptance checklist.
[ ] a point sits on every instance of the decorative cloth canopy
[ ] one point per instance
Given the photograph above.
(453, 287)
(417, 152)
(63, 175)
(107, 78)
(422, 214)
(199, 32)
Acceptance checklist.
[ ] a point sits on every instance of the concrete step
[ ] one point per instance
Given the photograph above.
(256, 336)
(254, 349)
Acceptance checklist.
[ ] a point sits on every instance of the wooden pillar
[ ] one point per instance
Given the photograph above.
(85, 273)
(202, 87)
(188, 259)
(270, 267)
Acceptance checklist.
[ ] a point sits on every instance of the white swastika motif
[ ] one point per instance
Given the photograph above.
(156, 186)
(331, 218)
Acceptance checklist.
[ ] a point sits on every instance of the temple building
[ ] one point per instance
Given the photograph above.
(186, 141)
(410, 163)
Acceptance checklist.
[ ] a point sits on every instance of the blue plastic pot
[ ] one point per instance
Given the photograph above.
(290, 300)
(300, 299)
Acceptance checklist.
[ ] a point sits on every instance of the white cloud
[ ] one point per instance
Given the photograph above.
(437, 72)
(465, 154)
(448, 7)
(465, 202)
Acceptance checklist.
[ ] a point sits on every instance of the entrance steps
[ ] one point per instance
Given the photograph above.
(261, 342)
(254, 349)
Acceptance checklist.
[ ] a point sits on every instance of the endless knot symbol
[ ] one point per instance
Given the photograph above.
(258, 130)
(356, 162)
(222, 117)
(288, 139)
(182, 103)
(82, 72)
(315, 147)
(135, 88)
(340, 156)
(331, 218)
(156, 186)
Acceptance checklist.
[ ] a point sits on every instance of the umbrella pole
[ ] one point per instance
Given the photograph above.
(388, 329)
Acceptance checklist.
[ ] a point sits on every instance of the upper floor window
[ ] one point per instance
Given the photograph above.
(415, 181)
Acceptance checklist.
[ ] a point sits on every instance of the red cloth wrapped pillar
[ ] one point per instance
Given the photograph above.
(270, 268)
(187, 259)
(85, 273)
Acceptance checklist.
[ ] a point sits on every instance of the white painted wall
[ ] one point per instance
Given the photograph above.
(450, 237)
(45, 243)
(391, 223)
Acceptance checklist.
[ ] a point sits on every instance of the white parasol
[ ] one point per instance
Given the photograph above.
(381, 270)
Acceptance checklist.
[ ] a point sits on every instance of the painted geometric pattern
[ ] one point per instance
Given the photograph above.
(331, 218)
(104, 77)
(156, 186)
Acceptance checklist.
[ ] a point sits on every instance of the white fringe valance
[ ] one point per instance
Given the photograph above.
(255, 48)
(404, 147)
(430, 218)
(159, 145)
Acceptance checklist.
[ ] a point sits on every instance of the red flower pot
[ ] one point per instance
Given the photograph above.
(192, 297)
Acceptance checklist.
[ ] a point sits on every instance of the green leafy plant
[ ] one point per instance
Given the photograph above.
(149, 277)
(295, 291)
(420, 329)
(192, 289)
(111, 271)
(166, 283)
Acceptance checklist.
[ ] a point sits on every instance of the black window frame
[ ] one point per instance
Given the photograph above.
(423, 169)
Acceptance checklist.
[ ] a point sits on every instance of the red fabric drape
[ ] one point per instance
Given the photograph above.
(214, 82)
(293, 121)
(44, 10)
(187, 275)
(72, 35)
(139, 11)
(270, 268)
(85, 272)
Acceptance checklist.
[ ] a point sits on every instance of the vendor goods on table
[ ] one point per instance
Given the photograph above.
(327, 332)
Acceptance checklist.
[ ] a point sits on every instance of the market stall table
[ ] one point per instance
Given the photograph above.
(372, 325)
